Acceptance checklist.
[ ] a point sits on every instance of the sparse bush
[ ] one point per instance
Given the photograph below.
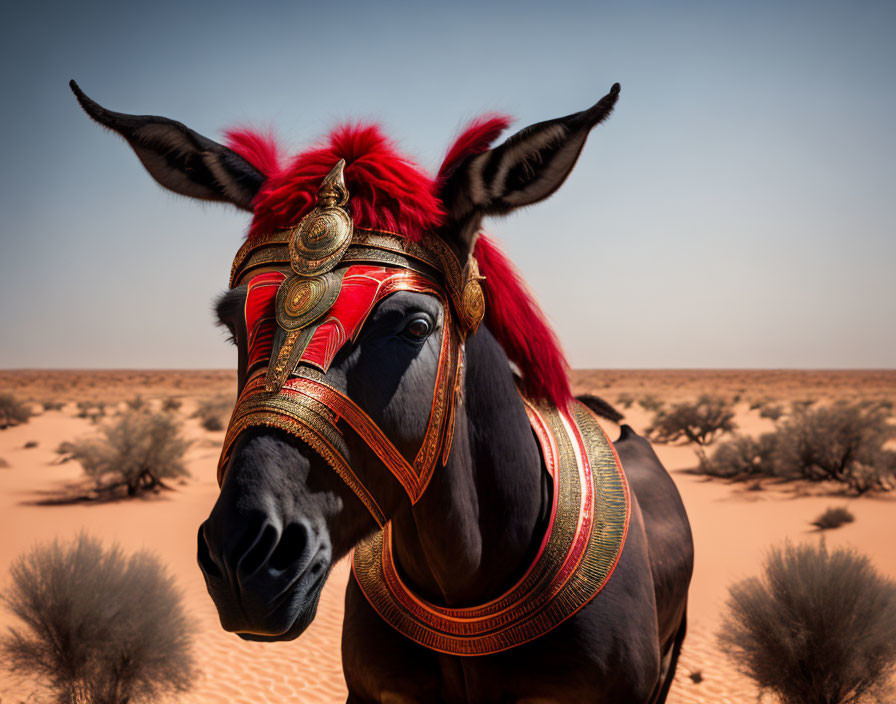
(214, 412)
(700, 422)
(50, 405)
(138, 403)
(138, 450)
(742, 456)
(843, 442)
(625, 400)
(833, 517)
(93, 410)
(651, 403)
(171, 404)
(771, 411)
(31, 444)
(3, 463)
(12, 411)
(816, 628)
(97, 627)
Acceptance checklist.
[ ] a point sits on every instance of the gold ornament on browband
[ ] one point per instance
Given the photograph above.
(472, 307)
(302, 300)
(320, 239)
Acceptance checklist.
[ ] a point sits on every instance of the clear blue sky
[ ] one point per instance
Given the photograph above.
(737, 210)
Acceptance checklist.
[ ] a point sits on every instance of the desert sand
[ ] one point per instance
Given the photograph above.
(732, 526)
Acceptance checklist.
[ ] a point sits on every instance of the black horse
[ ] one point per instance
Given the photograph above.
(284, 517)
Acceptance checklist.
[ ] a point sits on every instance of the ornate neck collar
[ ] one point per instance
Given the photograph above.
(585, 536)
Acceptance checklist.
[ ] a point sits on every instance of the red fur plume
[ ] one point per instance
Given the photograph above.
(516, 321)
(258, 148)
(475, 139)
(388, 191)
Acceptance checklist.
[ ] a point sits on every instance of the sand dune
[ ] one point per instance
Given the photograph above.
(732, 527)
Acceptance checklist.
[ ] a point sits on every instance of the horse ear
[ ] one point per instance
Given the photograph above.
(525, 169)
(180, 159)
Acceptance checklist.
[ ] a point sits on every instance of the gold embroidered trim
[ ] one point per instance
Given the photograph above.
(580, 552)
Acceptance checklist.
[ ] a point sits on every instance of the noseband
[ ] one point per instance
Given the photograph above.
(310, 289)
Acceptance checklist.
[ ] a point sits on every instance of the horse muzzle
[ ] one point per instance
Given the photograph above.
(266, 577)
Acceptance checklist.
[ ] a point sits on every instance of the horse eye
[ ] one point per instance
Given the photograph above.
(418, 328)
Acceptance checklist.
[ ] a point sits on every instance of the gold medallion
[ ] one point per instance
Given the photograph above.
(302, 300)
(472, 298)
(320, 239)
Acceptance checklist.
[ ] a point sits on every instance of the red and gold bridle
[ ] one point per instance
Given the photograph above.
(310, 289)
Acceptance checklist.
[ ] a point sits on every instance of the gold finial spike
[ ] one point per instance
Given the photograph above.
(332, 189)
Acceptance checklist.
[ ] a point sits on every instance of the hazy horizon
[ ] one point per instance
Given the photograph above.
(736, 211)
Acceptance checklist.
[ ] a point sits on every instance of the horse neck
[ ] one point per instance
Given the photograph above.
(470, 535)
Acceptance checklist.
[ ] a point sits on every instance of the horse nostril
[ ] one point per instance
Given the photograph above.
(292, 547)
(206, 563)
(260, 551)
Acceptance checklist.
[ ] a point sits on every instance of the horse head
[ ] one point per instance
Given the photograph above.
(354, 306)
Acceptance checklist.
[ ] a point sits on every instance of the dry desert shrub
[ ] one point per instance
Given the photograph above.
(699, 422)
(741, 457)
(833, 517)
(651, 403)
(214, 412)
(171, 404)
(12, 411)
(51, 405)
(816, 628)
(93, 410)
(97, 626)
(138, 403)
(843, 442)
(4, 464)
(137, 450)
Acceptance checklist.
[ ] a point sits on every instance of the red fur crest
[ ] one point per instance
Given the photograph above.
(390, 192)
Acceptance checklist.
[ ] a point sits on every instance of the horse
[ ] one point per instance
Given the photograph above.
(400, 394)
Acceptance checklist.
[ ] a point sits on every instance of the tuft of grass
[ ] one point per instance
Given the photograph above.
(51, 405)
(137, 450)
(816, 626)
(214, 412)
(97, 625)
(12, 411)
(699, 422)
(30, 445)
(833, 517)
